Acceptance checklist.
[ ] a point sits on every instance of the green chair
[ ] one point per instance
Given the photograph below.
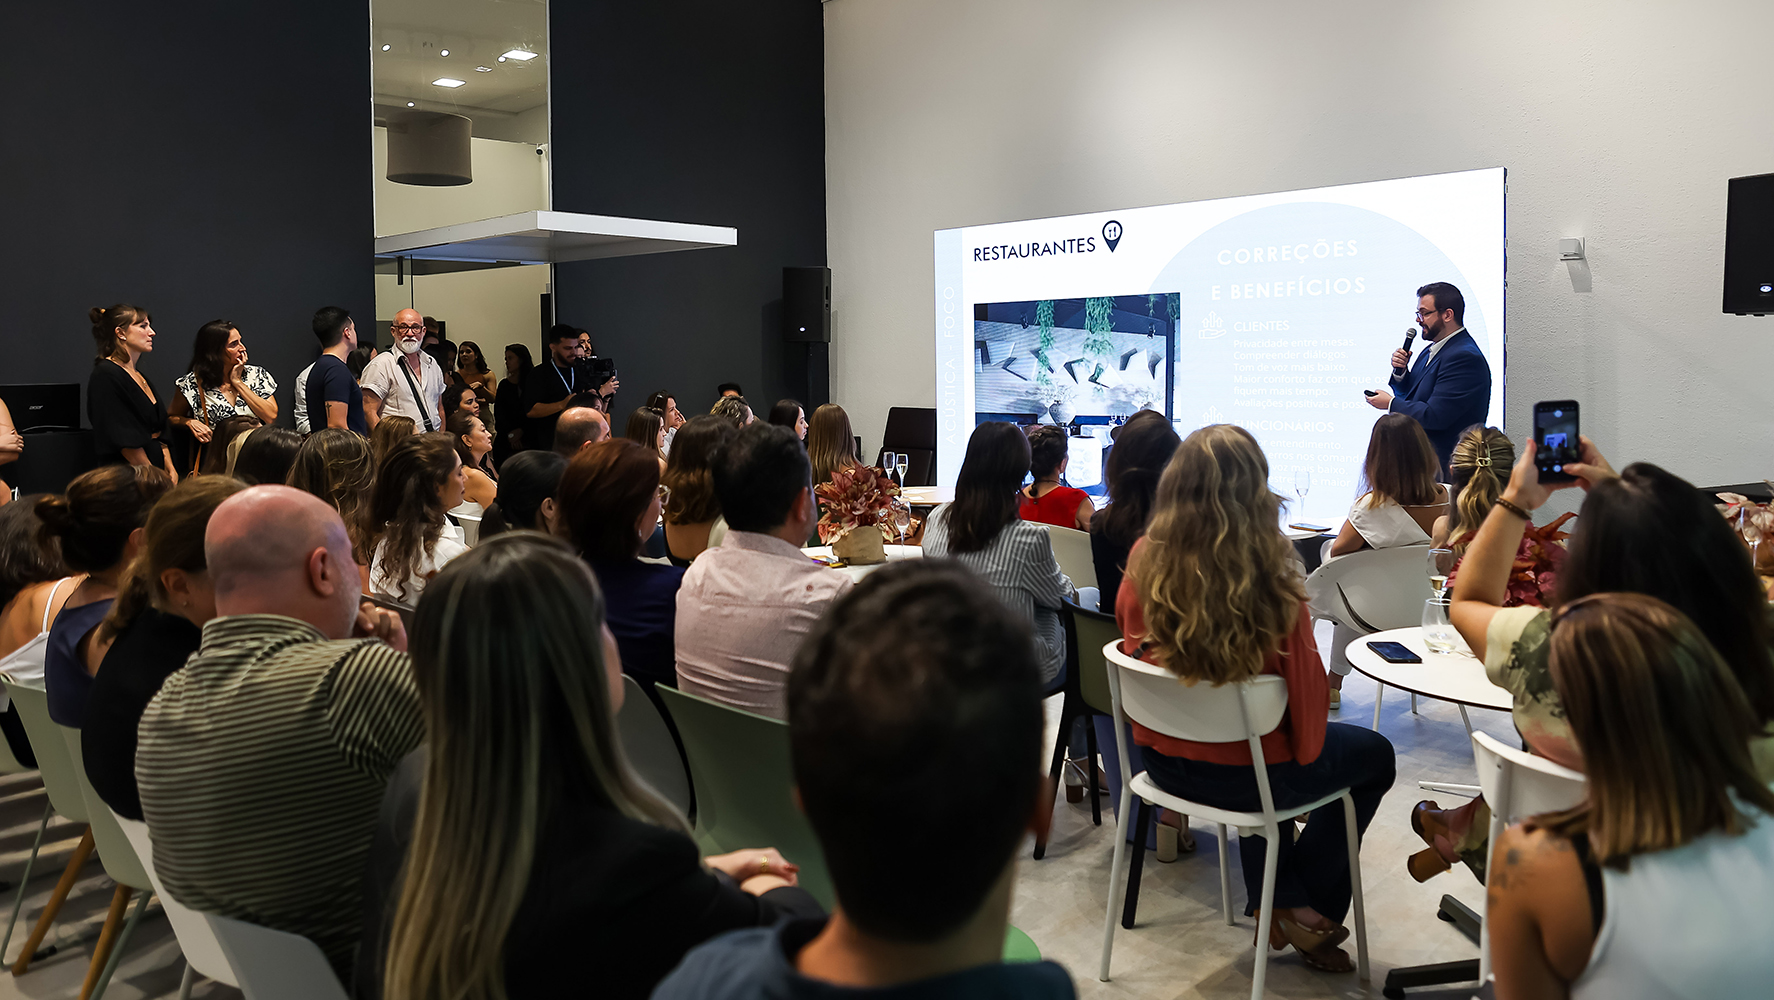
(739, 767)
(1019, 948)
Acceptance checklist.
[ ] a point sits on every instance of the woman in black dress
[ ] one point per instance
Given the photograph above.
(508, 411)
(127, 415)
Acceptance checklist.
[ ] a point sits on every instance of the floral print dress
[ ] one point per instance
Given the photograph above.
(218, 408)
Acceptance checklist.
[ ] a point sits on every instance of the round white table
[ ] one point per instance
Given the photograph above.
(894, 554)
(1458, 677)
(928, 496)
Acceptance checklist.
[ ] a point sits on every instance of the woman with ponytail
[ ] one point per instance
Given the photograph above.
(1479, 467)
(518, 849)
(154, 625)
(127, 415)
(98, 525)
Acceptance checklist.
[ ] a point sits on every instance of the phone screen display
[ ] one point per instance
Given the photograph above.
(1555, 439)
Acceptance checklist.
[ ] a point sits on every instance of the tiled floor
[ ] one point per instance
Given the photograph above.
(1180, 949)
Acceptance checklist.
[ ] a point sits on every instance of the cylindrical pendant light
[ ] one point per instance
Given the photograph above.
(429, 148)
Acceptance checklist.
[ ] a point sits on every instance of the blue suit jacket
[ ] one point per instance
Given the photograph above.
(1446, 395)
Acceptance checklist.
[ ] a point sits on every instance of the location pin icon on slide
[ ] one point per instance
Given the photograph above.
(1112, 234)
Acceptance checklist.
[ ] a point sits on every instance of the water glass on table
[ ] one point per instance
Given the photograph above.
(1439, 633)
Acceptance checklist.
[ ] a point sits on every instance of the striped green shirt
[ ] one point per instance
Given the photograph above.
(262, 765)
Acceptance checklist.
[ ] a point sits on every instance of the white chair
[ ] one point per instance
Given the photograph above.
(275, 965)
(1154, 698)
(118, 856)
(65, 798)
(1071, 548)
(470, 524)
(649, 746)
(203, 953)
(1517, 784)
(1371, 591)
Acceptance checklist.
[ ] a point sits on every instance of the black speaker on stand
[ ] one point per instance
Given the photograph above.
(1749, 246)
(807, 327)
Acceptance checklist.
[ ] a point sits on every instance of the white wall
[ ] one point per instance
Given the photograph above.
(493, 307)
(1619, 122)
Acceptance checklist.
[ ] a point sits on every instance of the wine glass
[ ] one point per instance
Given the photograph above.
(1302, 486)
(900, 461)
(902, 519)
(888, 460)
(1441, 562)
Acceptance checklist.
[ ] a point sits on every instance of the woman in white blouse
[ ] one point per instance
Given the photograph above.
(221, 384)
(1402, 499)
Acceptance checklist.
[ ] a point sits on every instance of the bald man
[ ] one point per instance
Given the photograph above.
(262, 763)
(404, 382)
(579, 428)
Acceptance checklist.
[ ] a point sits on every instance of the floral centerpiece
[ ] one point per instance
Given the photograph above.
(1534, 576)
(859, 504)
(1754, 523)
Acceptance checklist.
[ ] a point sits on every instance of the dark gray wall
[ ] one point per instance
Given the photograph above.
(202, 159)
(704, 111)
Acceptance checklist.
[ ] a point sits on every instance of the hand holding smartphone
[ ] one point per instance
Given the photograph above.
(1556, 443)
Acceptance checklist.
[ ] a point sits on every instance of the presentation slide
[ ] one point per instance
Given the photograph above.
(1269, 311)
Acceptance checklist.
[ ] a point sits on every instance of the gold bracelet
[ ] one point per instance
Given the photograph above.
(1513, 509)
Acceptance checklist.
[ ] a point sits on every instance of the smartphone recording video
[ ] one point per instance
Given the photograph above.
(1555, 439)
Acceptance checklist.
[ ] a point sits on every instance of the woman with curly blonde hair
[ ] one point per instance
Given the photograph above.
(1213, 593)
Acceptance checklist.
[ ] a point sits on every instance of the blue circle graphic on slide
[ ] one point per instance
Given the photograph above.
(1288, 313)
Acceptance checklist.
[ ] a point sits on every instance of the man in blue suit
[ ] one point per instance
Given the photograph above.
(1449, 388)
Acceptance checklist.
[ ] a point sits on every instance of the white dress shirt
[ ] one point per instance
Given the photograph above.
(383, 377)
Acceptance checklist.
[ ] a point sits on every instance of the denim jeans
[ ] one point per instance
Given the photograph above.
(1314, 869)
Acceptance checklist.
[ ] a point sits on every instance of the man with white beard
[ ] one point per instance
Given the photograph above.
(404, 382)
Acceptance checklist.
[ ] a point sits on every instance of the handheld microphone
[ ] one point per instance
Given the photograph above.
(1410, 337)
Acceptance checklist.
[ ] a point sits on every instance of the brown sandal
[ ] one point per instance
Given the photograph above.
(1426, 864)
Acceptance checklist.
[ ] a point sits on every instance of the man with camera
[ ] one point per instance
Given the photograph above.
(565, 378)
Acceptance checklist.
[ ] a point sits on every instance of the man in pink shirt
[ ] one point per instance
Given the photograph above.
(745, 606)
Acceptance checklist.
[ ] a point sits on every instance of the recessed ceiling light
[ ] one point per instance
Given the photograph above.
(444, 52)
(444, 81)
(483, 69)
(519, 54)
(409, 104)
(385, 48)
(501, 58)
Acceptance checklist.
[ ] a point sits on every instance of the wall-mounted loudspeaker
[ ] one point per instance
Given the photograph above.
(1749, 246)
(807, 304)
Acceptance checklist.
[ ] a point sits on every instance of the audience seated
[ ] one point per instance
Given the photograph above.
(96, 525)
(33, 586)
(608, 506)
(1657, 886)
(1479, 466)
(410, 538)
(389, 431)
(474, 446)
(693, 522)
(745, 606)
(1403, 500)
(830, 443)
(1642, 531)
(1142, 449)
(458, 398)
(334, 464)
(734, 410)
(916, 700)
(266, 456)
(667, 405)
(156, 623)
(789, 413)
(526, 494)
(1213, 594)
(579, 427)
(982, 531)
(531, 828)
(221, 443)
(647, 428)
(1045, 501)
(261, 764)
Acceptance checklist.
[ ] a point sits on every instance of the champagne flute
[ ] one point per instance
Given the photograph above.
(900, 461)
(888, 459)
(902, 519)
(1302, 486)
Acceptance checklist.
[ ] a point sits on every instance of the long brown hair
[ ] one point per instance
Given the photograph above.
(105, 323)
(1401, 465)
(508, 657)
(94, 519)
(388, 432)
(689, 470)
(1479, 466)
(1141, 451)
(1217, 580)
(334, 465)
(1662, 723)
(986, 489)
(644, 425)
(604, 491)
(172, 538)
(209, 360)
(406, 515)
(831, 445)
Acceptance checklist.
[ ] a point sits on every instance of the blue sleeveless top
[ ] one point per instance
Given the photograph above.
(63, 672)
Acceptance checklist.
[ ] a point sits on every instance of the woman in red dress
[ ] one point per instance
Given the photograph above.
(1045, 500)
